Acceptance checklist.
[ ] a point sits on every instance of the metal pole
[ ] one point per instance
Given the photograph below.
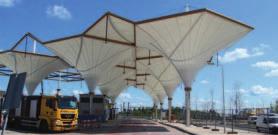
(127, 109)
(187, 105)
(232, 120)
(223, 92)
(169, 109)
(42, 90)
(123, 107)
(156, 112)
(161, 107)
(267, 113)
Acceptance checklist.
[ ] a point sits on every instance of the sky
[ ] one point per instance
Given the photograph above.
(251, 63)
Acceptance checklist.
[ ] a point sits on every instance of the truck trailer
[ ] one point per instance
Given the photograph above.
(47, 113)
(93, 107)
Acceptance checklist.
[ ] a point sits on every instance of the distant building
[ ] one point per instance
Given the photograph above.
(246, 112)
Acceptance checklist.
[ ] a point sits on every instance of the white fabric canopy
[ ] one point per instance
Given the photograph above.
(161, 69)
(176, 46)
(98, 50)
(36, 66)
(188, 40)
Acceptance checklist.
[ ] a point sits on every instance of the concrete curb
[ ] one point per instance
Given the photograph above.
(178, 128)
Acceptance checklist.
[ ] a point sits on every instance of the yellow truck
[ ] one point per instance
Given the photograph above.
(47, 113)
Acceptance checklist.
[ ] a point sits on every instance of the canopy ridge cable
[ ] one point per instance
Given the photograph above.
(102, 62)
(80, 50)
(106, 28)
(160, 50)
(115, 78)
(43, 66)
(186, 35)
(207, 38)
(124, 68)
(151, 73)
(15, 63)
(170, 62)
(118, 32)
(160, 36)
(202, 53)
(149, 57)
(151, 36)
(25, 49)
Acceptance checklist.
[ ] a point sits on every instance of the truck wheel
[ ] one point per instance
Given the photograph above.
(43, 126)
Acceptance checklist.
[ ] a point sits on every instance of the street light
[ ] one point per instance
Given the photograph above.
(223, 96)
(223, 91)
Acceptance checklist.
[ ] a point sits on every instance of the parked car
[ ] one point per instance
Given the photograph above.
(267, 123)
(252, 120)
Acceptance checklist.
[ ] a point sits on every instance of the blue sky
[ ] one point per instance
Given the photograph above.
(252, 62)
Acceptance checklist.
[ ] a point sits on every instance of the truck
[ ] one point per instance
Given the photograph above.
(46, 113)
(93, 107)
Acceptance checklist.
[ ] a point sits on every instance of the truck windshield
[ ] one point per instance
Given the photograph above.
(67, 103)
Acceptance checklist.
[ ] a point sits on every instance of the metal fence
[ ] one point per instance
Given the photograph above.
(235, 119)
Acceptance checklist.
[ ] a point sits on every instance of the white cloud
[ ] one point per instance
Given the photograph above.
(124, 97)
(7, 3)
(243, 91)
(204, 82)
(266, 65)
(260, 90)
(272, 73)
(59, 11)
(242, 53)
(238, 53)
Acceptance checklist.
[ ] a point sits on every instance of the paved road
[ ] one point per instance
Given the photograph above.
(122, 127)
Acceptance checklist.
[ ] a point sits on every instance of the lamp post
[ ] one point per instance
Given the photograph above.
(223, 96)
(223, 91)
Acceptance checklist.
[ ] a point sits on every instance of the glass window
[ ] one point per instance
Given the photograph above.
(84, 100)
(67, 102)
(50, 103)
(97, 100)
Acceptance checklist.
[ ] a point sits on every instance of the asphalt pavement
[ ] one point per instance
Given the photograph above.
(124, 126)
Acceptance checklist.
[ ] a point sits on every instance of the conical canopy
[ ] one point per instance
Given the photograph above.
(36, 66)
(106, 43)
(188, 40)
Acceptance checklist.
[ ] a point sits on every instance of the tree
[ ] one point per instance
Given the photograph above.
(212, 103)
(274, 107)
(238, 102)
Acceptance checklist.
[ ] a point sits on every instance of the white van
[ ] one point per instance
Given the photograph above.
(267, 123)
(252, 120)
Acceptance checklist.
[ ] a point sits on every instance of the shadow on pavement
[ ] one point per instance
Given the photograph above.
(129, 126)
(123, 126)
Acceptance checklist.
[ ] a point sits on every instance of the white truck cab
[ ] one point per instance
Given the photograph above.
(267, 123)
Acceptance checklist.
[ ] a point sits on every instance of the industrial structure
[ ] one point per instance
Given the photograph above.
(113, 53)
